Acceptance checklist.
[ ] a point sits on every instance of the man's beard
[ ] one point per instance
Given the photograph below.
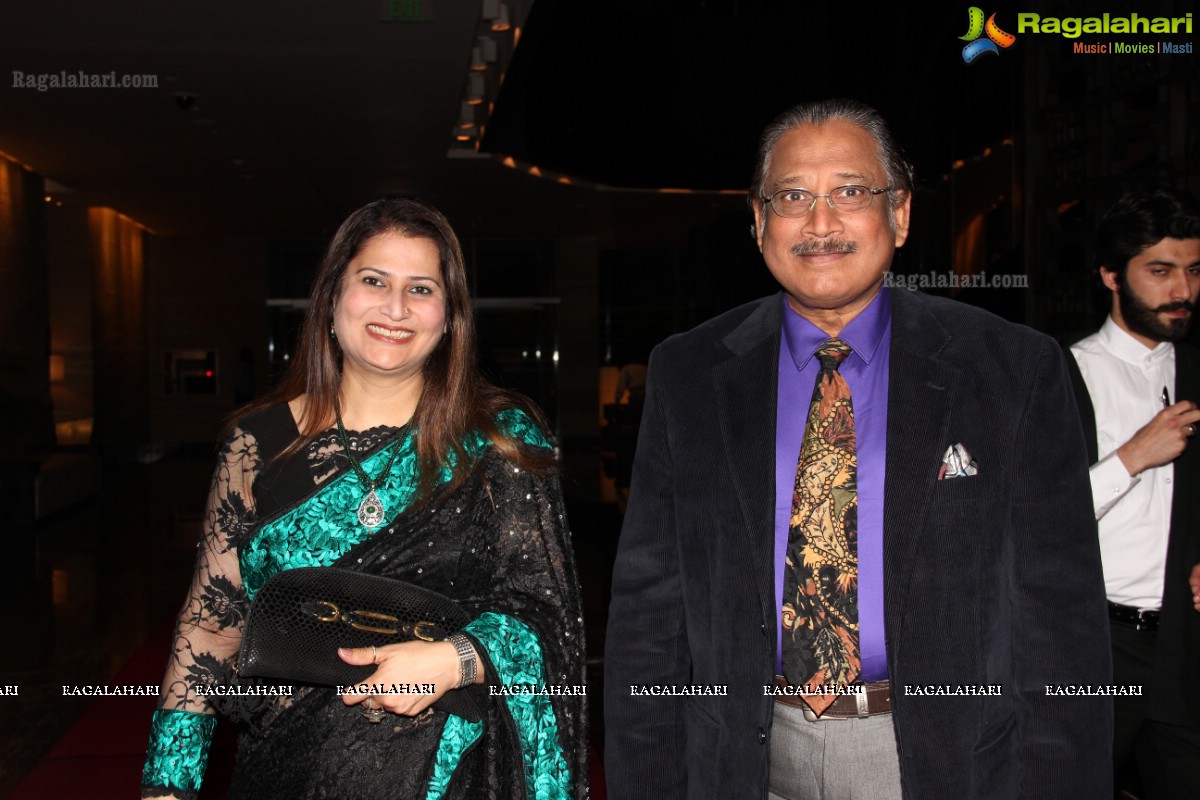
(1143, 320)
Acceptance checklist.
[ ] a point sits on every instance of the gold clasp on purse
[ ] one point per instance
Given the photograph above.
(364, 620)
(326, 611)
(352, 618)
(428, 637)
(322, 610)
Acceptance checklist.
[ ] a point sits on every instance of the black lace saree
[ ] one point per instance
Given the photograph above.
(499, 545)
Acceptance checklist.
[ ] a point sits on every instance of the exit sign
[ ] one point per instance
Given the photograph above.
(406, 10)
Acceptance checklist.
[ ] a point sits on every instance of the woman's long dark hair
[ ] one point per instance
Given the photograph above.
(456, 400)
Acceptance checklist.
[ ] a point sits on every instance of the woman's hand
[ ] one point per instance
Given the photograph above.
(406, 673)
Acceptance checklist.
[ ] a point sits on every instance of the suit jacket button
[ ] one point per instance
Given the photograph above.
(763, 628)
(762, 736)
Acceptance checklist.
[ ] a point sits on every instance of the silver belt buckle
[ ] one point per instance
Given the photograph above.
(861, 708)
(860, 702)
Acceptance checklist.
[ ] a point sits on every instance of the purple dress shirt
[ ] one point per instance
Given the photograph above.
(866, 372)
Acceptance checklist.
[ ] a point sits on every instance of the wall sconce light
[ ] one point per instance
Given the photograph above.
(475, 90)
(58, 369)
(501, 23)
(487, 47)
(466, 119)
(477, 63)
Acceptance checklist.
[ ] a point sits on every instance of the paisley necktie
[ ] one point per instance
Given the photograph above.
(820, 600)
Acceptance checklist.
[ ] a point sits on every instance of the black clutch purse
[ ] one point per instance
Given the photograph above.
(300, 617)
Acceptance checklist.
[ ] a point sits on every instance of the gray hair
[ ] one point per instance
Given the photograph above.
(899, 171)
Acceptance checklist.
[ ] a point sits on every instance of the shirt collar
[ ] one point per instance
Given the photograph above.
(1121, 344)
(864, 333)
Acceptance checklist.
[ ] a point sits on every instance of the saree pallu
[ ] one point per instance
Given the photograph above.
(499, 546)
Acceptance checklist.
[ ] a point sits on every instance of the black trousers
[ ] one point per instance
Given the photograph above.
(1167, 755)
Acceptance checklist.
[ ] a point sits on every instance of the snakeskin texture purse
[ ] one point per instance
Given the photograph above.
(300, 617)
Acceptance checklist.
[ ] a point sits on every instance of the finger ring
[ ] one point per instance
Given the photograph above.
(1191, 428)
(374, 655)
(372, 714)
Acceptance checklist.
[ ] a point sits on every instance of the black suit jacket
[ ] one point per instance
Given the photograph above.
(1174, 694)
(991, 579)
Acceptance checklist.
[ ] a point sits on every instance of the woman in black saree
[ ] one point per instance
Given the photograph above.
(384, 450)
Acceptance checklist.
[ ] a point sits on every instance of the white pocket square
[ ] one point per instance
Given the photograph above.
(957, 463)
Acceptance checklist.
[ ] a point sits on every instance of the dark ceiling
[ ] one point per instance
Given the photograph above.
(302, 110)
(675, 93)
(305, 110)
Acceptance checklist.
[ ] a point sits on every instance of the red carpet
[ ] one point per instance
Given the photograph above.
(101, 756)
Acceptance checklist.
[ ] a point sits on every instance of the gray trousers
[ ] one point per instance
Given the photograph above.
(838, 759)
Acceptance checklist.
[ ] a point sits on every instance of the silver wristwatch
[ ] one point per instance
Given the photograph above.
(467, 661)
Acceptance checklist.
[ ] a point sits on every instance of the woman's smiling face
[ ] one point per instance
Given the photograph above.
(391, 313)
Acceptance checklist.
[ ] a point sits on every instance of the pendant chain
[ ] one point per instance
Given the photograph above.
(370, 512)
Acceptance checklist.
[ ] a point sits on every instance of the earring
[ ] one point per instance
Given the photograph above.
(332, 332)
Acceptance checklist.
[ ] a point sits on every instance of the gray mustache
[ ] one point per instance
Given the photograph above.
(823, 247)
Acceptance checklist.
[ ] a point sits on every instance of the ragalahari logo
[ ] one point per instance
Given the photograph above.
(996, 38)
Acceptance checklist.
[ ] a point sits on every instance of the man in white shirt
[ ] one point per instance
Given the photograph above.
(1143, 384)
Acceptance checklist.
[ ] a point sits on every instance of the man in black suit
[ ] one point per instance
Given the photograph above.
(1137, 385)
(939, 510)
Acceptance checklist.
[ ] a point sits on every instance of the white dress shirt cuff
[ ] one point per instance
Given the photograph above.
(1110, 482)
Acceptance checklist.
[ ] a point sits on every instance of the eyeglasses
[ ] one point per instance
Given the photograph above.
(849, 199)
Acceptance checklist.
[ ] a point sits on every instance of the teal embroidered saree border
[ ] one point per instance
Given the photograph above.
(322, 529)
(178, 751)
(516, 654)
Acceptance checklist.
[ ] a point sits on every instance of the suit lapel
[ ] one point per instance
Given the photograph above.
(920, 396)
(745, 386)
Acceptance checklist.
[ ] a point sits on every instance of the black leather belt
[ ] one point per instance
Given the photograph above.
(876, 698)
(1128, 615)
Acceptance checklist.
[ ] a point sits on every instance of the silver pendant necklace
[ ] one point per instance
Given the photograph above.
(370, 511)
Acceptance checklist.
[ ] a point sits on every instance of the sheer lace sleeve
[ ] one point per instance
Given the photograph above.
(208, 630)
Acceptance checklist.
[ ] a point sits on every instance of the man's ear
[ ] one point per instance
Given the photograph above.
(760, 223)
(1110, 278)
(900, 217)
